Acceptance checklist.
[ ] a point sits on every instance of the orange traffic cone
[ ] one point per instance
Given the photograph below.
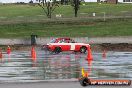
(89, 55)
(104, 54)
(33, 53)
(8, 50)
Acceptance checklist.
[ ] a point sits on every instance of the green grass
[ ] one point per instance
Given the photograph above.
(35, 21)
(68, 29)
(19, 10)
(12, 11)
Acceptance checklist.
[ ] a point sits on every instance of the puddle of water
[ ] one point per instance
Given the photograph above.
(19, 67)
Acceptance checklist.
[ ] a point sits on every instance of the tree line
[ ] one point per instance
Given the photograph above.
(50, 5)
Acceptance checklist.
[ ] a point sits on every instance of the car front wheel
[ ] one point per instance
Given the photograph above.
(57, 50)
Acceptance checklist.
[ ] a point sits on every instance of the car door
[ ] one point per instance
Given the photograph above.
(65, 46)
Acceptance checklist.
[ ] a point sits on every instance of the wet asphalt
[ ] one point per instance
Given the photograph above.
(54, 85)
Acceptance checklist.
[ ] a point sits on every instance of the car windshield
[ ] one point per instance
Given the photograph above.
(53, 41)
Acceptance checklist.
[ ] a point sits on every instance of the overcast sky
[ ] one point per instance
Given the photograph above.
(12, 1)
(26, 1)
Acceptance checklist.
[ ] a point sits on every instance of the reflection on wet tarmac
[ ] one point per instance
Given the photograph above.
(19, 67)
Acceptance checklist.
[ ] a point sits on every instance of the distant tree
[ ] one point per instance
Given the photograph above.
(31, 1)
(75, 4)
(48, 6)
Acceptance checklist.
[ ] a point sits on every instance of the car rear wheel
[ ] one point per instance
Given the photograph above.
(57, 50)
(83, 49)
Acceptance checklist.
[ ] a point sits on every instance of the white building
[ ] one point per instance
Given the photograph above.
(125, 1)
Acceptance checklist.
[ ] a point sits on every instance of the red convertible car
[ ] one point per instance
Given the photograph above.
(65, 44)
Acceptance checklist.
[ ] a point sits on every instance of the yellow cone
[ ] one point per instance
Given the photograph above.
(84, 74)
